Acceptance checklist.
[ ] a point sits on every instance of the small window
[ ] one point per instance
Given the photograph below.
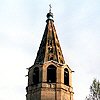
(36, 75)
(51, 58)
(51, 74)
(66, 76)
(49, 42)
(50, 50)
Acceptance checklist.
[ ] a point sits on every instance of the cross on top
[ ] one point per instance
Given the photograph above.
(50, 8)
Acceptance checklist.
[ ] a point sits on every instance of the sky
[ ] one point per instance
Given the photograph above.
(22, 24)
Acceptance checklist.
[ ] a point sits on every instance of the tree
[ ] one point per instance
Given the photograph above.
(94, 91)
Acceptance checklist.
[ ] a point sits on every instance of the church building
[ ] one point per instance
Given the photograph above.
(49, 78)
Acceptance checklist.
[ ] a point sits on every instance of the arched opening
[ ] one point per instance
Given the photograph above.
(66, 76)
(51, 74)
(36, 75)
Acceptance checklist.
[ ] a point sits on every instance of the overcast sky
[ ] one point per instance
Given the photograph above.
(22, 24)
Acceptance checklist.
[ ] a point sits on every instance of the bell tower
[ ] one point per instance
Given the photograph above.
(49, 78)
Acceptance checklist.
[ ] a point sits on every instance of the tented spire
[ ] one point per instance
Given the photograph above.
(50, 47)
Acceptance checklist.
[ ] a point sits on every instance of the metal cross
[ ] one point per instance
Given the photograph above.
(50, 8)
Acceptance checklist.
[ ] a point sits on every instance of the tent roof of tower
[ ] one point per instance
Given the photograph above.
(50, 47)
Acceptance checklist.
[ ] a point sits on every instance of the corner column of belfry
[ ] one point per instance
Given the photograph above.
(49, 78)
